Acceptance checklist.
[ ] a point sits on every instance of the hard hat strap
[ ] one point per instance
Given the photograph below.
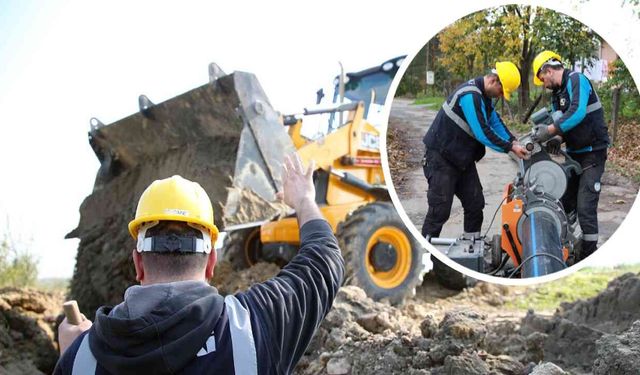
(551, 62)
(173, 242)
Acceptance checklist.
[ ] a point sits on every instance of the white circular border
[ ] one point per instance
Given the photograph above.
(624, 51)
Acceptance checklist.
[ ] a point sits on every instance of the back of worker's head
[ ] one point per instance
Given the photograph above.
(174, 232)
(180, 264)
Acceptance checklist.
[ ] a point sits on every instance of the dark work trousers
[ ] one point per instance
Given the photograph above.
(445, 181)
(582, 195)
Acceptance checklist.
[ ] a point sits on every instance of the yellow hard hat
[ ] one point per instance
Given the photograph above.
(542, 58)
(509, 76)
(174, 199)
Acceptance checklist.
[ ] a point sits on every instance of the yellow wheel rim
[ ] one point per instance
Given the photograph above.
(400, 270)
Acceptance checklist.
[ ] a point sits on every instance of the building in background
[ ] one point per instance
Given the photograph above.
(599, 71)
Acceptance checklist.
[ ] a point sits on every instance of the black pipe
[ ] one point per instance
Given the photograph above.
(512, 241)
(541, 245)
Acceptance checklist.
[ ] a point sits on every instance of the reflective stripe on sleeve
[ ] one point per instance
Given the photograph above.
(244, 347)
(85, 362)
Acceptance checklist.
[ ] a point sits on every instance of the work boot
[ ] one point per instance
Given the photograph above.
(588, 248)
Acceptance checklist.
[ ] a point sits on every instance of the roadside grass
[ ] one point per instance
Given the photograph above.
(583, 284)
(434, 102)
(517, 128)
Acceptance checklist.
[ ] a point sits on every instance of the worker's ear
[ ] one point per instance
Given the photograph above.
(137, 262)
(211, 264)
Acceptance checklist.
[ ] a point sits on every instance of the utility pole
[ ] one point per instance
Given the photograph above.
(426, 69)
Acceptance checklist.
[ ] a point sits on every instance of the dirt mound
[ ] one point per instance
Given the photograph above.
(471, 333)
(230, 281)
(618, 354)
(579, 329)
(27, 320)
(611, 311)
(360, 335)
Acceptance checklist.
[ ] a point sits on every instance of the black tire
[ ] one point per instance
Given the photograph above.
(242, 248)
(354, 235)
(450, 278)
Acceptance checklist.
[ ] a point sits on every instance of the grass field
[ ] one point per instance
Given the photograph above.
(583, 284)
(434, 102)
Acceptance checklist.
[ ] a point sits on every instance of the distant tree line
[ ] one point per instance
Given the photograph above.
(471, 46)
(18, 267)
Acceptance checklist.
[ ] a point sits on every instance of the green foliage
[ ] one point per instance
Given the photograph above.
(472, 45)
(585, 283)
(434, 102)
(516, 127)
(410, 85)
(18, 268)
(620, 76)
(629, 96)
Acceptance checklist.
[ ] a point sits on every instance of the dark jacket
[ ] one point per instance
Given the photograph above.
(184, 327)
(582, 130)
(456, 145)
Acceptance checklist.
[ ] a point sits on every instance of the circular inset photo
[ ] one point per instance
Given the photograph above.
(513, 142)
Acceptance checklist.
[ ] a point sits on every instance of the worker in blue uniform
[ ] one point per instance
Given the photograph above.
(583, 129)
(466, 124)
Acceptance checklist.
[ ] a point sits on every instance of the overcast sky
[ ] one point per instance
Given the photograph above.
(63, 62)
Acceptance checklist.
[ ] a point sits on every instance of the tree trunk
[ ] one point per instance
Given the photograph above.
(526, 59)
(524, 85)
(615, 108)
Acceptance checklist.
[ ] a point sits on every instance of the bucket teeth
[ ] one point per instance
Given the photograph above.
(145, 105)
(215, 72)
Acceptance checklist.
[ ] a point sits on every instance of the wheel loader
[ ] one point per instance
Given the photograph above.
(227, 136)
(381, 255)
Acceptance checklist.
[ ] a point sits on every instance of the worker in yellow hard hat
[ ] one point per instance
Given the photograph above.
(581, 126)
(456, 140)
(174, 322)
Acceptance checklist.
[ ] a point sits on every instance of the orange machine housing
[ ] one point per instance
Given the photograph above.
(512, 209)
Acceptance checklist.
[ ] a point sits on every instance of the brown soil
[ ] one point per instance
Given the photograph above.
(253, 208)
(472, 333)
(230, 281)
(27, 326)
(437, 332)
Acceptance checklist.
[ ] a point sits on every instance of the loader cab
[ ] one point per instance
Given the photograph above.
(369, 86)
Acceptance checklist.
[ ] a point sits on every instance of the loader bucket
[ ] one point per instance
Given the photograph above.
(224, 135)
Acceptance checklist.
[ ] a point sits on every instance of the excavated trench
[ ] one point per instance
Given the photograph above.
(438, 332)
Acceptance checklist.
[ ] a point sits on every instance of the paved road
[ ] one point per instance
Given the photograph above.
(496, 170)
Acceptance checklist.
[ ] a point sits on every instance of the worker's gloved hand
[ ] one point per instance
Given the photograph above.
(541, 133)
(553, 145)
(67, 332)
(298, 190)
(519, 150)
